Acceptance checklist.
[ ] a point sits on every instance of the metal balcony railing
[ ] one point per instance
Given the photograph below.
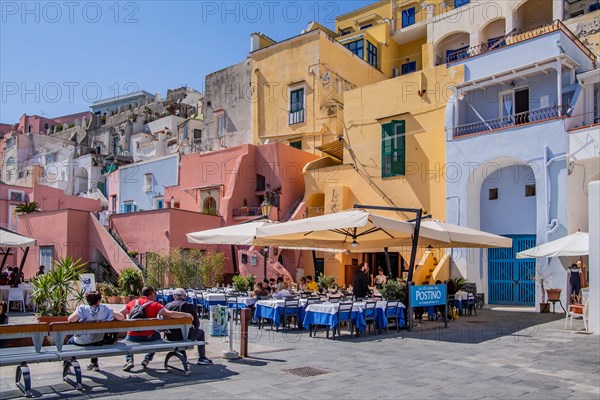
(537, 115)
(517, 37)
(296, 117)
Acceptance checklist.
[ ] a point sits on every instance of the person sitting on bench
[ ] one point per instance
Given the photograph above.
(93, 311)
(196, 333)
(151, 309)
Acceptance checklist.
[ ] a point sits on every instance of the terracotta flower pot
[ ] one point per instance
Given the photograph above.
(553, 294)
(577, 308)
(114, 299)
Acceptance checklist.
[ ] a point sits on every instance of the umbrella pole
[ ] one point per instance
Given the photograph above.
(4, 258)
(411, 267)
(387, 263)
(25, 252)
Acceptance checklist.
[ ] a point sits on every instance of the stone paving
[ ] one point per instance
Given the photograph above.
(500, 353)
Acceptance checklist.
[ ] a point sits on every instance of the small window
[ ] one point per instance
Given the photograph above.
(21, 174)
(493, 194)
(220, 125)
(459, 3)
(367, 26)
(185, 132)
(16, 196)
(9, 144)
(297, 144)
(45, 126)
(159, 203)
(529, 190)
(29, 128)
(409, 67)
(393, 149)
(244, 258)
(408, 17)
(343, 32)
(148, 178)
(296, 114)
(197, 134)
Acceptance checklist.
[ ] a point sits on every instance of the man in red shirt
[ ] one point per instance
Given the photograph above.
(153, 310)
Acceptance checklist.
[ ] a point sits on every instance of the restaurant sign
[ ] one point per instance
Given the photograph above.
(427, 295)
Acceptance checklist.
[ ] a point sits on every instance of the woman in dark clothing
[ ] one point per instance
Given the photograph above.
(3, 316)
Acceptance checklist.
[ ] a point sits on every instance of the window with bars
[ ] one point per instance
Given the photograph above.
(393, 148)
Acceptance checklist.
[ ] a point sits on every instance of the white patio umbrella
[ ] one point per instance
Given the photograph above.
(12, 239)
(234, 234)
(364, 231)
(575, 244)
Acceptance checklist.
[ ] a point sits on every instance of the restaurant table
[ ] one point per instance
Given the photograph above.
(28, 289)
(243, 302)
(327, 314)
(381, 313)
(273, 310)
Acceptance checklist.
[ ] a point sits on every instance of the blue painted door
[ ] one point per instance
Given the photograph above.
(512, 280)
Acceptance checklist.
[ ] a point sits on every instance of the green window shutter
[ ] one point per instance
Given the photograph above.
(393, 149)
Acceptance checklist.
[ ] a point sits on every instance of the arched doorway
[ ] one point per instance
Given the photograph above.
(452, 47)
(508, 208)
(532, 14)
(209, 206)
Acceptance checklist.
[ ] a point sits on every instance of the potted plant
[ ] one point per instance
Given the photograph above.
(53, 290)
(543, 278)
(240, 283)
(326, 281)
(245, 208)
(393, 290)
(577, 303)
(109, 292)
(131, 283)
(553, 294)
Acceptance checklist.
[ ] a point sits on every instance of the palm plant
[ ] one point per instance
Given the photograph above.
(53, 290)
(27, 207)
(131, 282)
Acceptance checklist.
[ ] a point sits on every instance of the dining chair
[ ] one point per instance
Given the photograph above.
(344, 315)
(291, 309)
(392, 314)
(572, 314)
(369, 314)
(18, 295)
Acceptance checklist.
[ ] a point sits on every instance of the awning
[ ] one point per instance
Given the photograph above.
(334, 149)
(575, 244)
(12, 239)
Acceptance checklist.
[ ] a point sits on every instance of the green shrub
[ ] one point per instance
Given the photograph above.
(326, 281)
(240, 283)
(131, 282)
(393, 290)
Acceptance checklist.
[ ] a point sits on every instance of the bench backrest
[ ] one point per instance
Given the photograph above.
(58, 330)
(35, 331)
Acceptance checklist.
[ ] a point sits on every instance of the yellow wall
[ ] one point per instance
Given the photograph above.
(359, 179)
(325, 68)
(382, 9)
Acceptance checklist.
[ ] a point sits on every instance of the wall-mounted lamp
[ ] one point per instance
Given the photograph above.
(512, 84)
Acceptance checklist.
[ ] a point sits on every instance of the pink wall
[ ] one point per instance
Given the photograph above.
(51, 199)
(112, 182)
(72, 232)
(38, 123)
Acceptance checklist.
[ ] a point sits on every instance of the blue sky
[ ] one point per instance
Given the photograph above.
(56, 57)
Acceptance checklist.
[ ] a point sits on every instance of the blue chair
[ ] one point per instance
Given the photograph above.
(291, 309)
(344, 315)
(392, 314)
(369, 313)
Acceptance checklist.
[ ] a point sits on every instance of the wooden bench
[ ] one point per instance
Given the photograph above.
(69, 354)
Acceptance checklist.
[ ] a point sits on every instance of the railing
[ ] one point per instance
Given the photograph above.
(314, 211)
(517, 37)
(113, 232)
(247, 212)
(537, 115)
(296, 117)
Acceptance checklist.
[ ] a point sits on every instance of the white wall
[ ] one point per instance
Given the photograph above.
(594, 267)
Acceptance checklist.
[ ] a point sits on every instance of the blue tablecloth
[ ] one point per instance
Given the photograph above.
(397, 312)
(331, 320)
(208, 303)
(274, 313)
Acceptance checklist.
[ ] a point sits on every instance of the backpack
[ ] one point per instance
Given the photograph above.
(139, 310)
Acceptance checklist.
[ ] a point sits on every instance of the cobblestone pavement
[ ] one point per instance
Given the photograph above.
(500, 353)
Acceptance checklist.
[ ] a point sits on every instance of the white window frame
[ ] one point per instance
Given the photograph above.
(290, 90)
(148, 185)
(221, 125)
(43, 259)
(501, 102)
(157, 200)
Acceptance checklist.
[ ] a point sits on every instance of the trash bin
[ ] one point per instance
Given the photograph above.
(218, 320)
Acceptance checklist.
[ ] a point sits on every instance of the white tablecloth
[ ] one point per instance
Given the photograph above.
(331, 308)
(247, 301)
(214, 296)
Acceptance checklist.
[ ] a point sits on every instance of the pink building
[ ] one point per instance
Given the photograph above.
(38, 124)
(217, 189)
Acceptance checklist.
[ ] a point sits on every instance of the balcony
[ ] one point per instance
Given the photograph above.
(528, 117)
(513, 38)
(296, 117)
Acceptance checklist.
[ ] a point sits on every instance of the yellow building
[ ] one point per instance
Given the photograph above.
(299, 85)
